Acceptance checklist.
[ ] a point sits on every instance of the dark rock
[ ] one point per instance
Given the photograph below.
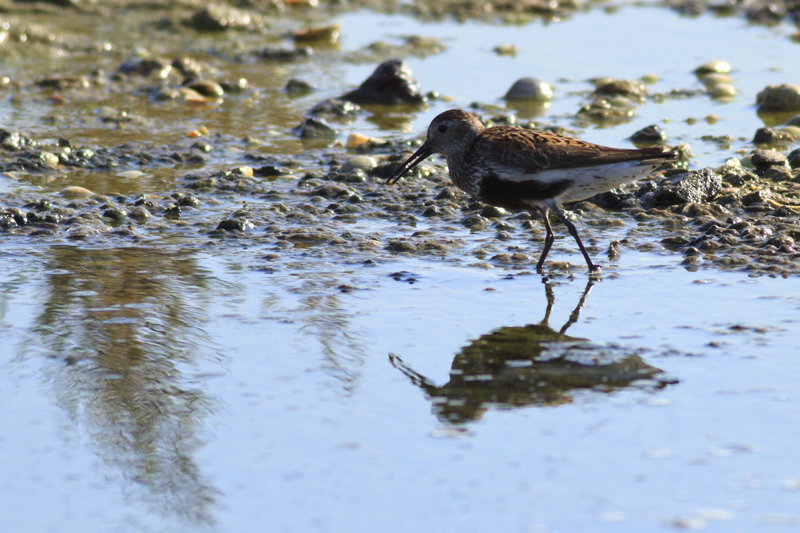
(232, 224)
(736, 175)
(650, 135)
(695, 186)
(295, 86)
(779, 98)
(269, 171)
(763, 159)
(271, 53)
(634, 90)
(312, 128)
(448, 193)
(221, 17)
(490, 211)
(529, 89)
(771, 136)
(188, 201)
(775, 173)
(331, 190)
(756, 197)
(145, 67)
(785, 212)
(13, 140)
(334, 107)
(392, 83)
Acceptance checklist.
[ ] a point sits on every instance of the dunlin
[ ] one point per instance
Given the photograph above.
(516, 168)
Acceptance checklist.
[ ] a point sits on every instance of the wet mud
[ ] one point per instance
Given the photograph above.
(108, 148)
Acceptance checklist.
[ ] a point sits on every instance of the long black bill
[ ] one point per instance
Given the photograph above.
(410, 163)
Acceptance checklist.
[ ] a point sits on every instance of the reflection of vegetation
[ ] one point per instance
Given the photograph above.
(124, 321)
(530, 365)
(323, 318)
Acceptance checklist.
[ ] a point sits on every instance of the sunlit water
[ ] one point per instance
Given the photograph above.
(166, 388)
(261, 405)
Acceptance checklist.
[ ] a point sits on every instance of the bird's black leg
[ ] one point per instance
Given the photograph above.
(548, 240)
(574, 232)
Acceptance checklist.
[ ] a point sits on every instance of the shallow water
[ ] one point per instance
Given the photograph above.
(199, 383)
(238, 398)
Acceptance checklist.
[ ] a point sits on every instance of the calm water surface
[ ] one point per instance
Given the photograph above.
(194, 388)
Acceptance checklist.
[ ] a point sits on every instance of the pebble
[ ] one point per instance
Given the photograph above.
(722, 91)
(327, 34)
(652, 134)
(208, 88)
(631, 89)
(715, 78)
(490, 211)
(192, 97)
(295, 86)
(531, 89)
(695, 186)
(219, 17)
(708, 67)
(130, 174)
(139, 213)
(50, 160)
(506, 50)
(313, 128)
(360, 162)
(767, 158)
(356, 139)
(75, 192)
(391, 83)
(779, 98)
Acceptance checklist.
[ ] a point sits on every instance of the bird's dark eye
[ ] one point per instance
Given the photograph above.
(442, 128)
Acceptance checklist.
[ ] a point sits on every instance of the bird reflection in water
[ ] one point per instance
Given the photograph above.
(532, 365)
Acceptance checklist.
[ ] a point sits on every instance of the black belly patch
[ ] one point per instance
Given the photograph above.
(518, 194)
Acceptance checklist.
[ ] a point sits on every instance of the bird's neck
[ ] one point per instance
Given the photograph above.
(460, 175)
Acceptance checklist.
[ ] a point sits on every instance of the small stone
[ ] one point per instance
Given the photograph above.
(767, 158)
(319, 34)
(232, 224)
(649, 135)
(390, 84)
(295, 86)
(695, 186)
(708, 67)
(220, 17)
(715, 78)
(208, 88)
(115, 213)
(360, 162)
(356, 139)
(490, 211)
(630, 89)
(529, 89)
(505, 50)
(75, 192)
(157, 67)
(312, 128)
(759, 196)
(139, 213)
(722, 91)
(777, 98)
(771, 136)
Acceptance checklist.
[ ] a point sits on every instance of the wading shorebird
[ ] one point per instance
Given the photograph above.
(521, 169)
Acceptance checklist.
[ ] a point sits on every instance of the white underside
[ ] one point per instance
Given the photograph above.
(588, 181)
